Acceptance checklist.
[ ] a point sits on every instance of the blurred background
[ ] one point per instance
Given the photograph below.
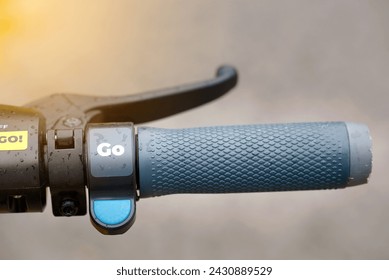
(298, 61)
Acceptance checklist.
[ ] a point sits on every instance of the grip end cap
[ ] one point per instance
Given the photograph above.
(360, 153)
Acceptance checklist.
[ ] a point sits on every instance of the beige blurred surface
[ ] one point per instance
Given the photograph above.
(298, 61)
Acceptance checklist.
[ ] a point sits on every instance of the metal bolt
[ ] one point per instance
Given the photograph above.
(72, 122)
(68, 208)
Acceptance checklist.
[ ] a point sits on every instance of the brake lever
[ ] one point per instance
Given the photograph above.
(63, 111)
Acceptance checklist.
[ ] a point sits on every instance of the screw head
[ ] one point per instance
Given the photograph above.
(72, 122)
(68, 208)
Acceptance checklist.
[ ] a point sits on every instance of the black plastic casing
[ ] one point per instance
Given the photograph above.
(22, 168)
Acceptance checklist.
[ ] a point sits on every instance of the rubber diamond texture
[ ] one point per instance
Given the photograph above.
(251, 158)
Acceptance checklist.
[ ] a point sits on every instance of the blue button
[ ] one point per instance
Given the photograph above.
(113, 211)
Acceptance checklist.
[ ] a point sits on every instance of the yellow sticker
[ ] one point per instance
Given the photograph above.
(13, 140)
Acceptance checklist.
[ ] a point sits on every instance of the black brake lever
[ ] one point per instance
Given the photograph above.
(63, 111)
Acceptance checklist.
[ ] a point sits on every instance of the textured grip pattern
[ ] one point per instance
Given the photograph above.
(252, 158)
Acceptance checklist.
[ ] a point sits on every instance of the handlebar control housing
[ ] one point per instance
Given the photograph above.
(111, 176)
(22, 168)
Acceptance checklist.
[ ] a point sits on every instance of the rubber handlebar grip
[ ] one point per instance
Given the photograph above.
(253, 158)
